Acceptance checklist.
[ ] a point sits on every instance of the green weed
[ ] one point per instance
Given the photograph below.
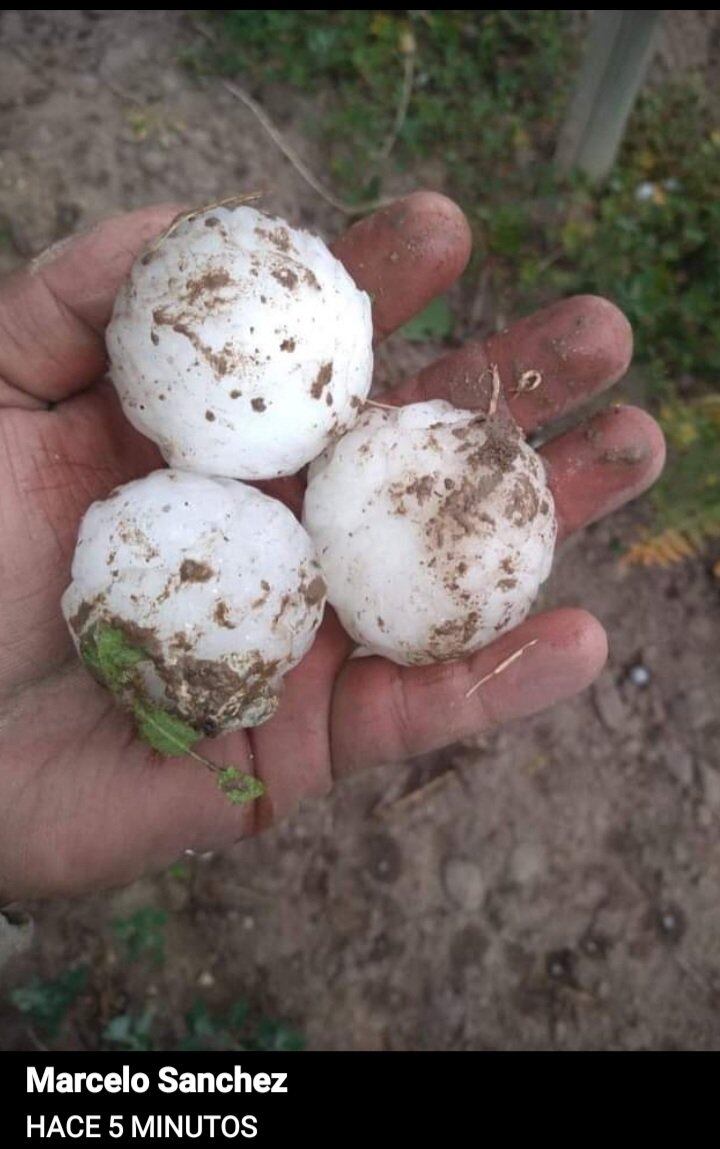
(47, 1003)
(235, 1030)
(142, 934)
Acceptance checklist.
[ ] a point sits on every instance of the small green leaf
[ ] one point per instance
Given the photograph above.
(109, 653)
(239, 787)
(130, 1031)
(435, 322)
(236, 1016)
(170, 735)
(198, 1020)
(164, 732)
(143, 934)
(47, 1003)
(276, 1035)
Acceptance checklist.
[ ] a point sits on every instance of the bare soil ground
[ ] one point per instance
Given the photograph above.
(553, 885)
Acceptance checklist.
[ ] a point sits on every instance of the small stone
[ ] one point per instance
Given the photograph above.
(595, 945)
(639, 675)
(206, 979)
(560, 966)
(670, 923)
(463, 882)
(609, 704)
(383, 859)
(527, 862)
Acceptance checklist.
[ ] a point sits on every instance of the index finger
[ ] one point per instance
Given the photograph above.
(54, 311)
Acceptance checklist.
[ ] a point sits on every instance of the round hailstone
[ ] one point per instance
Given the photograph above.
(214, 582)
(240, 345)
(434, 529)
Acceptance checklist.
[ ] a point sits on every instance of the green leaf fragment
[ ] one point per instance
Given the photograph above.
(107, 651)
(170, 735)
(132, 1032)
(164, 732)
(143, 933)
(47, 1003)
(239, 787)
(276, 1035)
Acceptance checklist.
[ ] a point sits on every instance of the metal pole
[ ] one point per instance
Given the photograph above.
(618, 51)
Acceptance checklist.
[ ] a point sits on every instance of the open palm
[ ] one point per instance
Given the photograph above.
(83, 804)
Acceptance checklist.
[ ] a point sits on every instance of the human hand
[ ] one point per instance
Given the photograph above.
(83, 803)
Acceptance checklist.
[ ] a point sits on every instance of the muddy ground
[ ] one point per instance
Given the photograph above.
(552, 885)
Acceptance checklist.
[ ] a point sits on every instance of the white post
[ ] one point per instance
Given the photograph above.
(617, 54)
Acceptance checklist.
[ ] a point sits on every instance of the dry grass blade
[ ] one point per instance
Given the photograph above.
(495, 396)
(380, 406)
(501, 667)
(409, 51)
(186, 216)
(297, 162)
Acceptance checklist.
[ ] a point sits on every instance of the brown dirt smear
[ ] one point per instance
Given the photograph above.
(193, 571)
(321, 380)
(221, 614)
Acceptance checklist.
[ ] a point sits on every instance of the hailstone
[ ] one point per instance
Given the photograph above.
(240, 345)
(434, 528)
(213, 586)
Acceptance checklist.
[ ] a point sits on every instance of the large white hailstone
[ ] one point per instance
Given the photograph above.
(240, 345)
(214, 582)
(434, 528)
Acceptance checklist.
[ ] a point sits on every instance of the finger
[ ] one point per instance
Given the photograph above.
(603, 464)
(292, 749)
(578, 346)
(386, 713)
(406, 254)
(53, 312)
